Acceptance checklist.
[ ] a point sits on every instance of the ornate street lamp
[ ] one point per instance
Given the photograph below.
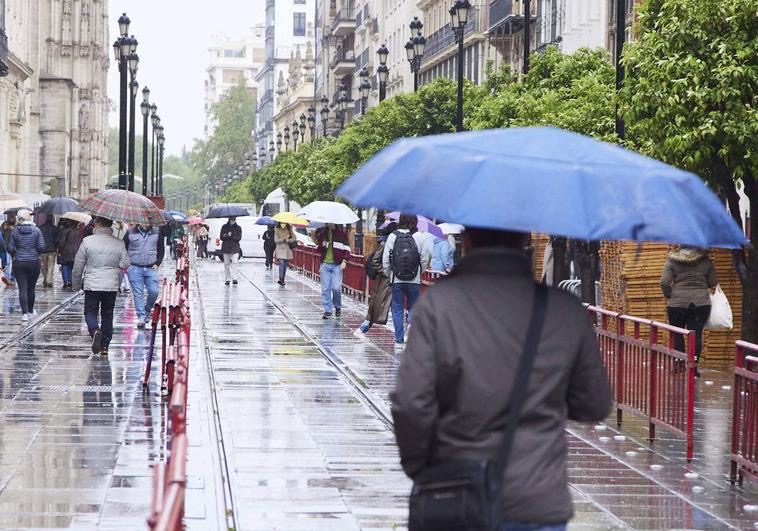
(414, 49)
(271, 150)
(161, 141)
(134, 90)
(459, 14)
(286, 137)
(312, 122)
(365, 88)
(342, 103)
(295, 133)
(302, 127)
(278, 142)
(383, 72)
(324, 112)
(123, 25)
(145, 108)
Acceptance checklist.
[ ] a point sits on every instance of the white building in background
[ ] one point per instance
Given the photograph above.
(289, 30)
(54, 59)
(585, 24)
(230, 60)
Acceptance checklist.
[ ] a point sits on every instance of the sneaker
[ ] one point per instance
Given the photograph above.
(25, 317)
(34, 313)
(399, 347)
(104, 351)
(338, 312)
(141, 323)
(97, 341)
(280, 282)
(327, 315)
(234, 282)
(226, 283)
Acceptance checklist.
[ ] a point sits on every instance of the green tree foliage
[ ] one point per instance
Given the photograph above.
(690, 100)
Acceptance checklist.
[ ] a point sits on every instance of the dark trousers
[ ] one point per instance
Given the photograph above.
(269, 256)
(26, 274)
(100, 302)
(691, 318)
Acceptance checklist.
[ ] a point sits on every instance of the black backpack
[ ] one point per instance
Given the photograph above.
(405, 260)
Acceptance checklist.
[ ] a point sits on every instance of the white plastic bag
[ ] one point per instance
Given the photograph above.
(721, 312)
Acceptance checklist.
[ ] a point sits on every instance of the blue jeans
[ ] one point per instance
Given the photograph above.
(331, 286)
(67, 272)
(402, 292)
(141, 279)
(282, 268)
(517, 526)
(9, 267)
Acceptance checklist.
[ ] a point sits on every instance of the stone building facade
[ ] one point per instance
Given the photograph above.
(53, 100)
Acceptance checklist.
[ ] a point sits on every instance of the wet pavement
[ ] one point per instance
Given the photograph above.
(618, 479)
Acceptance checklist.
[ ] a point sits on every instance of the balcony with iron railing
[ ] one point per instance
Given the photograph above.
(345, 21)
(445, 36)
(507, 16)
(343, 62)
(3, 53)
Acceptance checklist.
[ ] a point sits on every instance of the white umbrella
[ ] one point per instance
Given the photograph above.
(328, 212)
(451, 228)
(79, 217)
(9, 201)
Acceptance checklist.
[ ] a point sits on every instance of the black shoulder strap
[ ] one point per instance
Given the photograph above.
(521, 384)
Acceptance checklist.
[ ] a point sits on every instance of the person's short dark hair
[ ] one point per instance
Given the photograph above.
(103, 222)
(479, 238)
(408, 221)
(389, 229)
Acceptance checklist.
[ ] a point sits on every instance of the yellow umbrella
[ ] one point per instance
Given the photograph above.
(289, 218)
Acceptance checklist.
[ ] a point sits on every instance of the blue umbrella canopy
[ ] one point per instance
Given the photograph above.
(265, 220)
(57, 206)
(547, 180)
(227, 211)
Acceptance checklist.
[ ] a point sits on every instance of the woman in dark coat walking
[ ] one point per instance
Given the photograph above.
(68, 242)
(25, 245)
(269, 246)
(381, 290)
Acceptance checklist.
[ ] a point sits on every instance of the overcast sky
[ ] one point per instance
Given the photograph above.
(173, 39)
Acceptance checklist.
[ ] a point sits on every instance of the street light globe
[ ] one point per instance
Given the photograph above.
(365, 89)
(133, 60)
(410, 50)
(342, 92)
(161, 140)
(419, 45)
(461, 8)
(383, 74)
(134, 88)
(144, 107)
(133, 44)
(146, 96)
(126, 47)
(117, 50)
(324, 113)
(123, 24)
(383, 53)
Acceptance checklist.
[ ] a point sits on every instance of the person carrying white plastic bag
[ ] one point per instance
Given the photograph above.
(721, 312)
(687, 279)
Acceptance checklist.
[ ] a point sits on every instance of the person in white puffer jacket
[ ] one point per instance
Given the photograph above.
(100, 259)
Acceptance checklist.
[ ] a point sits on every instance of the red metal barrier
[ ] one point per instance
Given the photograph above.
(172, 313)
(745, 413)
(650, 377)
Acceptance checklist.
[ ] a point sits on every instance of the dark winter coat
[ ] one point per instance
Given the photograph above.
(268, 239)
(686, 277)
(50, 234)
(457, 372)
(68, 242)
(381, 291)
(230, 238)
(26, 243)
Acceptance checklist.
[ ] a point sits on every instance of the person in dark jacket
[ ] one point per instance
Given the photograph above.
(5, 229)
(145, 246)
(687, 278)
(269, 245)
(25, 246)
(381, 290)
(334, 249)
(456, 375)
(50, 234)
(230, 235)
(67, 243)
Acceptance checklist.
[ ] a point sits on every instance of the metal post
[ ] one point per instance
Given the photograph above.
(382, 92)
(152, 164)
(144, 154)
(122, 176)
(132, 105)
(160, 171)
(620, 38)
(415, 79)
(459, 113)
(527, 33)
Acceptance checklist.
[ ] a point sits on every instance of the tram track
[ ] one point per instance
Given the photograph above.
(39, 321)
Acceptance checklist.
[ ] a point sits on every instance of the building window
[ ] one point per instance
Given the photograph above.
(299, 1)
(298, 24)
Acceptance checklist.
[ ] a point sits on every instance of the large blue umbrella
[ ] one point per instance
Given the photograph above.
(227, 211)
(545, 180)
(265, 220)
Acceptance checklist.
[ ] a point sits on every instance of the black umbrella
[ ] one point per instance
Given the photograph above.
(227, 211)
(58, 206)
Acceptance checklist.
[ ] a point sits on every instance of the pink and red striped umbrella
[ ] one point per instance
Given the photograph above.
(122, 205)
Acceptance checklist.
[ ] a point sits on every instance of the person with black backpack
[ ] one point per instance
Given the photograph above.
(406, 256)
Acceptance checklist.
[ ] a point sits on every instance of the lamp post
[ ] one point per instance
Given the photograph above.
(527, 33)
(414, 49)
(158, 133)
(271, 150)
(312, 122)
(134, 88)
(154, 121)
(145, 108)
(121, 49)
(278, 142)
(295, 133)
(365, 88)
(286, 137)
(302, 127)
(342, 105)
(324, 112)
(383, 72)
(459, 17)
(161, 141)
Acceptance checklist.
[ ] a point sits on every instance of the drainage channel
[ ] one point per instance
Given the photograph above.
(39, 322)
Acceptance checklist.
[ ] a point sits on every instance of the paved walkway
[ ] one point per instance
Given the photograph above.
(617, 479)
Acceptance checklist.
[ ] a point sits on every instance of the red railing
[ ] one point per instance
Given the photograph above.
(649, 375)
(171, 313)
(745, 412)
